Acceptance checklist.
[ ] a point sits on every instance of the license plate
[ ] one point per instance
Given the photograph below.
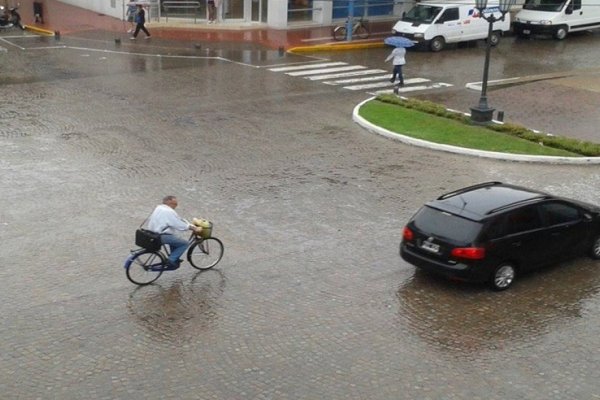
(526, 31)
(432, 247)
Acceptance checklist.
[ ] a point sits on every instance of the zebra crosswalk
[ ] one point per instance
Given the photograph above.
(356, 77)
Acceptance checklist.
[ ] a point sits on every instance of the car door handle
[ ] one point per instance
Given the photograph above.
(516, 244)
(555, 234)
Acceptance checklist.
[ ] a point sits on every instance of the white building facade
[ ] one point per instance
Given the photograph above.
(278, 14)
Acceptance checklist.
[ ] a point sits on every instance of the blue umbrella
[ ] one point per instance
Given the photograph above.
(398, 41)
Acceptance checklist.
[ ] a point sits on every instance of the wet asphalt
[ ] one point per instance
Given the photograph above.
(311, 299)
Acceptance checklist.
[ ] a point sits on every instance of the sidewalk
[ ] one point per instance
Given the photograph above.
(66, 19)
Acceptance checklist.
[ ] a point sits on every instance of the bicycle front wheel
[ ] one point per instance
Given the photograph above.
(362, 32)
(205, 253)
(339, 33)
(145, 267)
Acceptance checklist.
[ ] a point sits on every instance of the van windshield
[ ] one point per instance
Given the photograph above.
(422, 13)
(544, 5)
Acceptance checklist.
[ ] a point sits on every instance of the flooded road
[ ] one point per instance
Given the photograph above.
(311, 299)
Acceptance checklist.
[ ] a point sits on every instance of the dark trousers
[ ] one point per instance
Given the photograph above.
(142, 27)
(398, 72)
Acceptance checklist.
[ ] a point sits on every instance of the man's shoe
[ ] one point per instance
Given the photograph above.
(148, 37)
(170, 266)
(392, 80)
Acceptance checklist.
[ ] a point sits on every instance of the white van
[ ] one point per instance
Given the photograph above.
(434, 24)
(556, 17)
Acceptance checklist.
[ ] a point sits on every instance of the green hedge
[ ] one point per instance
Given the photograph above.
(584, 148)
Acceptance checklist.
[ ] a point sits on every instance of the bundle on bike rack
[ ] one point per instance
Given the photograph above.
(206, 226)
(147, 239)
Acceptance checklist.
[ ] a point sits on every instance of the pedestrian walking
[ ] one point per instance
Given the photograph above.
(140, 20)
(131, 11)
(398, 59)
(211, 9)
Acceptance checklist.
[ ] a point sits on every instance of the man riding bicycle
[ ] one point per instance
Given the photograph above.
(165, 221)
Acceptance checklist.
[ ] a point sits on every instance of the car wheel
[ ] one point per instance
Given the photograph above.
(560, 33)
(503, 276)
(494, 38)
(595, 248)
(436, 44)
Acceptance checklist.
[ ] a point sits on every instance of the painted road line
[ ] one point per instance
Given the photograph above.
(347, 74)
(377, 78)
(307, 66)
(415, 88)
(384, 84)
(325, 71)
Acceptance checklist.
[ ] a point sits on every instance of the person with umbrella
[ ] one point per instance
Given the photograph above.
(398, 57)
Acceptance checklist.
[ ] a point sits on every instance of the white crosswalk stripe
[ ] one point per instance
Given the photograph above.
(356, 77)
(307, 66)
(382, 84)
(347, 74)
(326, 70)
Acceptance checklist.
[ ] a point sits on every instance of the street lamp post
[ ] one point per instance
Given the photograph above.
(483, 113)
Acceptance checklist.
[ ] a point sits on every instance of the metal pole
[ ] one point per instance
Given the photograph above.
(349, 22)
(486, 67)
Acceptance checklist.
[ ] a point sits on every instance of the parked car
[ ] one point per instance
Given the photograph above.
(492, 232)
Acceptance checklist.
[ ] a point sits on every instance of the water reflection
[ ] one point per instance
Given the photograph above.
(180, 311)
(466, 320)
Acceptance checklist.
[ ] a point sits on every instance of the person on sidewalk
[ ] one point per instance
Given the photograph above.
(211, 9)
(165, 221)
(398, 59)
(131, 11)
(140, 20)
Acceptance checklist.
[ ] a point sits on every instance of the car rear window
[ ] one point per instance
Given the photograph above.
(431, 221)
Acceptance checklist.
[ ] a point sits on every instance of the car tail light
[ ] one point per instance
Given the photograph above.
(471, 253)
(407, 234)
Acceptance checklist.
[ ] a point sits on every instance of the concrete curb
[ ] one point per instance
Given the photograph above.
(39, 30)
(461, 150)
(336, 46)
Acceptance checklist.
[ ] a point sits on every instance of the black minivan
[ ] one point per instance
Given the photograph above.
(493, 231)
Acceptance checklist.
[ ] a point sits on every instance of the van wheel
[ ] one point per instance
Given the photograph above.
(494, 38)
(436, 44)
(560, 33)
(503, 276)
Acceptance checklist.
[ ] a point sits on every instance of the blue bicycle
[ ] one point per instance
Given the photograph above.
(145, 266)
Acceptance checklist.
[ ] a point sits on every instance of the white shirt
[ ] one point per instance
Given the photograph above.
(165, 220)
(398, 56)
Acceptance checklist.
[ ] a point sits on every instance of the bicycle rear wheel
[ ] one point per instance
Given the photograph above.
(362, 32)
(339, 33)
(205, 253)
(145, 267)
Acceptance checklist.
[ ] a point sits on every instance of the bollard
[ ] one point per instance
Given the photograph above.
(500, 116)
(117, 41)
(281, 51)
(197, 46)
(56, 35)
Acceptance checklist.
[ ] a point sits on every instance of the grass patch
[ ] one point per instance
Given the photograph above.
(432, 122)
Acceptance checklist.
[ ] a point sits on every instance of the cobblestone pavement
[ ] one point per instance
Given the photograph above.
(311, 299)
